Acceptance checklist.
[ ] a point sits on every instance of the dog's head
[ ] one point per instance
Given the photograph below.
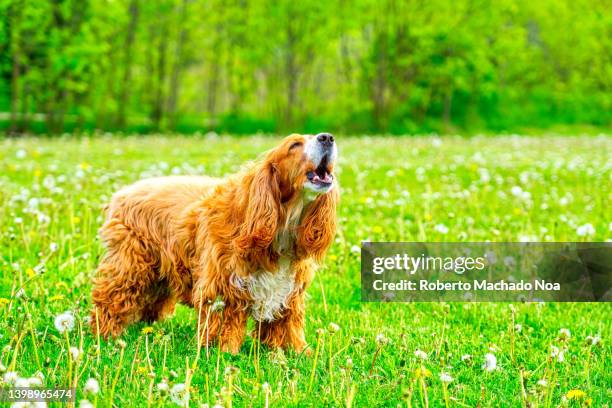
(304, 162)
(300, 164)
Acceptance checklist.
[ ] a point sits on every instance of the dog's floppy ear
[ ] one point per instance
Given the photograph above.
(318, 226)
(262, 214)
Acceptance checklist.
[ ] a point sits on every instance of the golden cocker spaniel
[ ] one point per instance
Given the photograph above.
(250, 242)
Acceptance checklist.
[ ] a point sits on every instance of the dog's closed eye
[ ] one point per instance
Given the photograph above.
(295, 145)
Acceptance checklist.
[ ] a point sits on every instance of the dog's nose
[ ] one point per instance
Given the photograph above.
(325, 139)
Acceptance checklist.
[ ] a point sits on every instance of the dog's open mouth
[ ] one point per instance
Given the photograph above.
(321, 175)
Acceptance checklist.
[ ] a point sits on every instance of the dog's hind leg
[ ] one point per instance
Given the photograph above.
(126, 276)
(160, 303)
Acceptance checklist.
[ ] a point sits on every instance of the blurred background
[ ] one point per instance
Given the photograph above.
(245, 66)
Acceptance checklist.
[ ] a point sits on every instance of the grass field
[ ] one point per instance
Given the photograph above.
(411, 189)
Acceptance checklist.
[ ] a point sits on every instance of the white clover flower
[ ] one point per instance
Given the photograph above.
(18, 220)
(490, 362)
(543, 383)
(163, 386)
(356, 249)
(517, 191)
(446, 378)
(85, 404)
(91, 386)
(74, 353)
(466, 357)
(518, 327)
(64, 322)
(333, 328)
(441, 228)
(11, 377)
(565, 334)
(53, 247)
(585, 230)
(179, 394)
(420, 354)
(21, 154)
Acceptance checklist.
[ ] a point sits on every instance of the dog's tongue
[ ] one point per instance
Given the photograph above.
(326, 179)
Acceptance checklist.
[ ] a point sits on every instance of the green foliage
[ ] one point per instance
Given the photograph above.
(396, 66)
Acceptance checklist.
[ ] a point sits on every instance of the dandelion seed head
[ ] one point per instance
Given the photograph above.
(446, 378)
(91, 386)
(85, 404)
(74, 353)
(163, 386)
(10, 377)
(490, 362)
(179, 394)
(564, 334)
(64, 322)
(381, 339)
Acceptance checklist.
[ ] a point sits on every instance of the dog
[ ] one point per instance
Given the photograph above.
(249, 243)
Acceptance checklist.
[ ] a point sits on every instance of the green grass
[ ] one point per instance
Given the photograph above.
(52, 191)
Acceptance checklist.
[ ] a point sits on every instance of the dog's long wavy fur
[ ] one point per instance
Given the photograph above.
(188, 239)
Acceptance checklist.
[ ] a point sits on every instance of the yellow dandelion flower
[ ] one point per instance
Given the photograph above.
(30, 272)
(37, 173)
(332, 257)
(4, 301)
(84, 165)
(422, 372)
(377, 229)
(427, 217)
(147, 330)
(142, 370)
(56, 297)
(76, 220)
(575, 394)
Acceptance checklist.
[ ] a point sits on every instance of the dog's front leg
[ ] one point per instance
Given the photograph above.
(219, 317)
(287, 330)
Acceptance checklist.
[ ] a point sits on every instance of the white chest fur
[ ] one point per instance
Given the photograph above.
(270, 291)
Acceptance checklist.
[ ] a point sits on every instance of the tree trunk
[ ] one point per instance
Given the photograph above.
(158, 107)
(448, 105)
(15, 69)
(175, 78)
(291, 74)
(133, 10)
